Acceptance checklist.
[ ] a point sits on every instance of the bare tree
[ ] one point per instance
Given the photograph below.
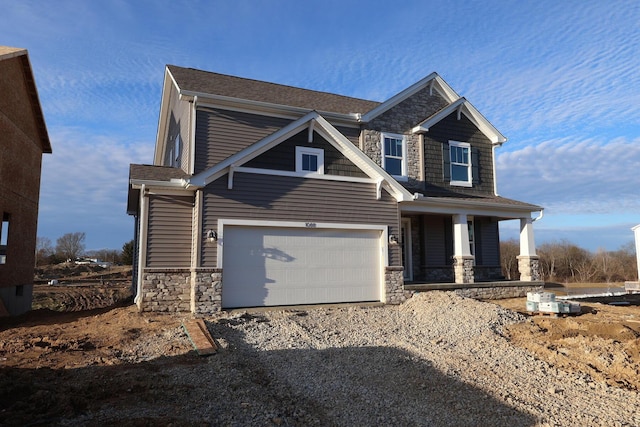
(509, 251)
(44, 249)
(71, 245)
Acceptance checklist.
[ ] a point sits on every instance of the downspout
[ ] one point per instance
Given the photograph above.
(538, 217)
(192, 135)
(142, 259)
(493, 162)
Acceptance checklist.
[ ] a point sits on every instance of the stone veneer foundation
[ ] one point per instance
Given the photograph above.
(199, 291)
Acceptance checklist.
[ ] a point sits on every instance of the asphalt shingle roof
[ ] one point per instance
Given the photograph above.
(206, 82)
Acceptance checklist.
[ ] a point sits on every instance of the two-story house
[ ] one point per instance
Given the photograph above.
(262, 194)
(23, 140)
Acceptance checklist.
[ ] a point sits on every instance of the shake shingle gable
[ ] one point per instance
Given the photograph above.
(195, 81)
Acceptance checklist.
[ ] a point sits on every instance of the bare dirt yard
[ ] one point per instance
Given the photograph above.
(439, 359)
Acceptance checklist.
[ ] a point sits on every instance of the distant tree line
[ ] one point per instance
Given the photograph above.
(71, 246)
(565, 262)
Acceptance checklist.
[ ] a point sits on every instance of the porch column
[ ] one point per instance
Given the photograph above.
(528, 260)
(462, 258)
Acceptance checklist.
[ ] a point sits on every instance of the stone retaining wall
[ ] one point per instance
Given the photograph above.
(498, 292)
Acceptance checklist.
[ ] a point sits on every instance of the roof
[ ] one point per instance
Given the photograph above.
(192, 81)
(155, 173)
(7, 53)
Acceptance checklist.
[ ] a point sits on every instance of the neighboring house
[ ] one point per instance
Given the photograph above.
(23, 140)
(264, 195)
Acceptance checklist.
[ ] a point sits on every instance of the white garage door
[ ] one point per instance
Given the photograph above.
(269, 266)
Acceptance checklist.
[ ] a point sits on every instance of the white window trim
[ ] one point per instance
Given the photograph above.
(469, 182)
(404, 176)
(318, 152)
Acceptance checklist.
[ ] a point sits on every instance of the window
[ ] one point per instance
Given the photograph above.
(4, 238)
(394, 154)
(309, 160)
(460, 158)
(176, 152)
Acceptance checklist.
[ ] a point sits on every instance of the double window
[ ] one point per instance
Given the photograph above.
(394, 154)
(309, 160)
(460, 163)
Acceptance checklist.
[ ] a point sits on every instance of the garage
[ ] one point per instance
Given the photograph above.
(273, 266)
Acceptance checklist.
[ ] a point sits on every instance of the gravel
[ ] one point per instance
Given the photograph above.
(438, 359)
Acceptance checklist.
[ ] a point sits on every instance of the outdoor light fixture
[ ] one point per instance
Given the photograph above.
(212, 236)
(393, 240)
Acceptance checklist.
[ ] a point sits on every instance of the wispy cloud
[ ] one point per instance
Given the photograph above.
(574, 176)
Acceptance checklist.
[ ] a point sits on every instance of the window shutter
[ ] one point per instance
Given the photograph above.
(475, 166)
(446, 162)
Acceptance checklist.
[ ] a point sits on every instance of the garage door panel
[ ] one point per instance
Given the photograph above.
(288, 266)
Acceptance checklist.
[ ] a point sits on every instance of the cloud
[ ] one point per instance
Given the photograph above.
(84, 186)
(587, 176)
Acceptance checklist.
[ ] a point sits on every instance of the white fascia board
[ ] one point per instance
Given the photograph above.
(163, 120)
(438, 84)
(247, 105)
(361, 160)
(243, 156)
(174, 184)
(471, 113)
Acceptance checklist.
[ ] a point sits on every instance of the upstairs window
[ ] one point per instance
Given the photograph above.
(460, 163)
(309, 160)
(394, 154)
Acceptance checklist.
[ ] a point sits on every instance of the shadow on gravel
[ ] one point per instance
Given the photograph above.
(243, 386)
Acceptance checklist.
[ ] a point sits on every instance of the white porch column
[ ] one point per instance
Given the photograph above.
(527, 243)
(462, 258)
(460, 236)
(528, 261)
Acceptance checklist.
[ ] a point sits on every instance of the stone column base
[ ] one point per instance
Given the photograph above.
(529, 268)
(463, 268)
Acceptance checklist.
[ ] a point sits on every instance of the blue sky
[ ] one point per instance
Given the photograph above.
(560, 79)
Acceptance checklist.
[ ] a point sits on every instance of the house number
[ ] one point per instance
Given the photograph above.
(310, 224)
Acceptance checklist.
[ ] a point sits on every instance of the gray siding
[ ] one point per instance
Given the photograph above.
(352, 134)
(169, 231)
(222, 133)
(438, 241)
(452, 129)
(275, 198)
(283, 157)
(488, 244)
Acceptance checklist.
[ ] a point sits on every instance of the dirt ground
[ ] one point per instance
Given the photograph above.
(46, 354)
(603, 341)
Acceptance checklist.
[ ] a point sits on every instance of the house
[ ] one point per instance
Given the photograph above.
(262, 194)
(23, 140)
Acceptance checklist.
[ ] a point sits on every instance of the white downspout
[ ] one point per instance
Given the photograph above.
(493, 162)
(192, 136)
(142, 259)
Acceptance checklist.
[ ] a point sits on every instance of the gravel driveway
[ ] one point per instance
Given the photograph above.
(436, 360)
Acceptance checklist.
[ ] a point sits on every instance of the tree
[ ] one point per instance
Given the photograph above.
(509, 251)
(127, 253)
(44, 250)
(70, 246)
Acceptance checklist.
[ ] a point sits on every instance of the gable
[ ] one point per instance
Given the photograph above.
(19, 102)
(312, 122)
(283, 156)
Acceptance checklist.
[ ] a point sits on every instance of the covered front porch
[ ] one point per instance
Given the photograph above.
(455, 244)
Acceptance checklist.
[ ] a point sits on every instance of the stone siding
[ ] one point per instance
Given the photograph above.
(394, 285)
(206, 297)
(498, 292)
(165, 290)
(463, 269)
(400, 120)
(529, 267)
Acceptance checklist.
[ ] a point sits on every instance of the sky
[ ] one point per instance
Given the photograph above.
(560, 79)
